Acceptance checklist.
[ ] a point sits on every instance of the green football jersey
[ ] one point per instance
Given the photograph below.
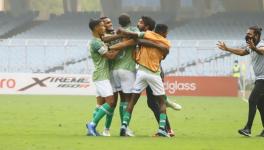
(101, 64)
(125, 59)
(112, 62)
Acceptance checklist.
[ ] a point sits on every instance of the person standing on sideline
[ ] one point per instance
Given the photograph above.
(255, 49)
(236, 73)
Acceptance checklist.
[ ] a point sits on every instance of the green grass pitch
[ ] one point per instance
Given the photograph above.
(58, 123)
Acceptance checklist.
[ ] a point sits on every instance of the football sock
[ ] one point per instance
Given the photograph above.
(162, 121)
(95, 110)
(104, 109)
(126, 118)
(109, 118)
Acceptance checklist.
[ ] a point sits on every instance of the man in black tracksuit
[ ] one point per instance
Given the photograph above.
(255, 49)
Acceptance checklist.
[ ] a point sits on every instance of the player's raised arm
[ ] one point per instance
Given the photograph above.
(160, 46)
(126, 33)
(124, 44)
(110, 38)
(238, 51)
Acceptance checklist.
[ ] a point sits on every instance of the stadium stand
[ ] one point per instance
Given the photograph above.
(60, 44)
(65, 26)
(227, 25)
(9, 22)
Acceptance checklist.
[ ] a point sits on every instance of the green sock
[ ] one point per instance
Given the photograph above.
(95, 111)
(126, 118)
(121, 110)
(109, 118)
(162, 122)
(125, 106)
(101, 112)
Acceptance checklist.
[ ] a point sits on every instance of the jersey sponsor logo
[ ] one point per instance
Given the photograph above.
(7, 83)
(60, 82)
(172, 87)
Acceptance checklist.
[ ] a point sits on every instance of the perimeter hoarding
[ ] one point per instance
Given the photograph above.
(66, 84)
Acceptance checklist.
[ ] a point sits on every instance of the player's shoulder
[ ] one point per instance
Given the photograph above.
(96, 43)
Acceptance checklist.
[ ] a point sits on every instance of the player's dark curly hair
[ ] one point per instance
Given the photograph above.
(161, 28)
(148, 21)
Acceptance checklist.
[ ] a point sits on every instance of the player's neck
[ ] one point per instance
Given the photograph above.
(96, 35)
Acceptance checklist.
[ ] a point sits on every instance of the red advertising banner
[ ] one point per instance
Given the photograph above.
(201, 86)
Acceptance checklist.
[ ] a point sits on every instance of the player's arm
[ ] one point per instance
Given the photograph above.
(159, 46)
(111, 54)
(121, 45)
(105, 52)
(110, 38)
(126, 33)
(237, 51)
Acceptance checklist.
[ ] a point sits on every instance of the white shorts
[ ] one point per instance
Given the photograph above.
(124, 80)
(112, 82)
(143, 79)
(103, 88)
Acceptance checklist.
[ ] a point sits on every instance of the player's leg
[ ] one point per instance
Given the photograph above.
(123, 103)
(104, 90)
(139, 85)
(109, 117)
(156, 85)
(172, 104)
(128, 113)
(127, 80)
(99, 102)
(152, 104)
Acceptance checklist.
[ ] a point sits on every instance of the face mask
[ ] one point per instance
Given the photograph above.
(248, 38)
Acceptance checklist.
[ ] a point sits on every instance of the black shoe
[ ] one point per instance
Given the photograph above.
(245, 132)
(123, 131)
(261, 134)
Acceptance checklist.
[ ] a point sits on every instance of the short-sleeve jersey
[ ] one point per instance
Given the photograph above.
(101, 64)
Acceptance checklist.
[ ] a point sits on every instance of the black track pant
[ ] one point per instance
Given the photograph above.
(256, 101)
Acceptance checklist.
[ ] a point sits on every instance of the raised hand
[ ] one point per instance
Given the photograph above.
(221, 45)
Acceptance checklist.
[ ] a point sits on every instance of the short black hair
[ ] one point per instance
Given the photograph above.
(257, 30)
(93, 23)
(103, 17)
(124, 20)
(161, 28)
(148, 21)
